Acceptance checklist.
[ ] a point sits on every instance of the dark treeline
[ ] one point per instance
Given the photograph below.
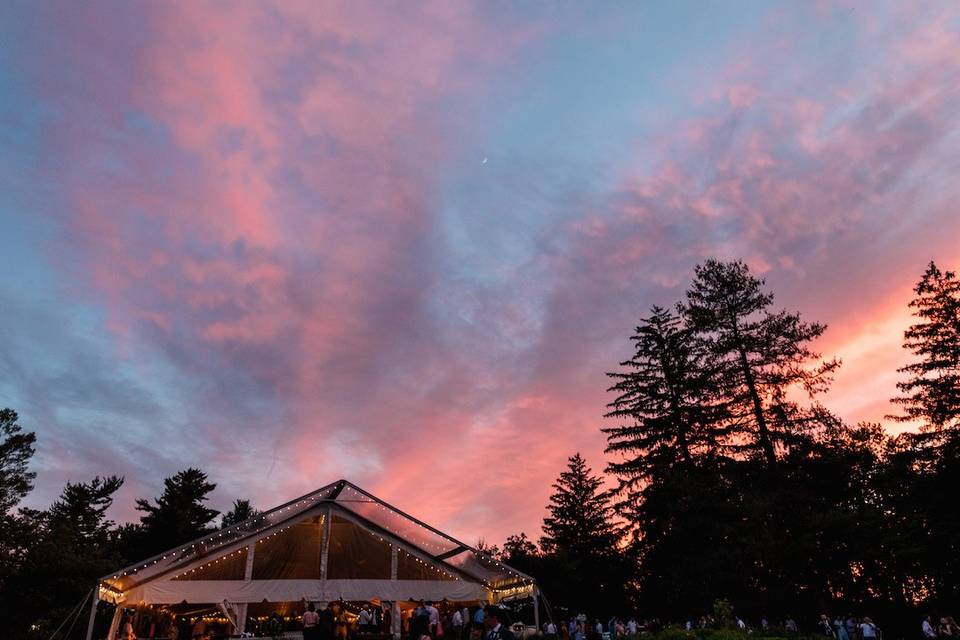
(50, 560)
(732, 482)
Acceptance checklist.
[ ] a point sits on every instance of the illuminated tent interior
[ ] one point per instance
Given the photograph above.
(336, 543)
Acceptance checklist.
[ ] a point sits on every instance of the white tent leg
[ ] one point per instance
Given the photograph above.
(536, 608)
(225, 608)
(93, 612)
(241, 618)
(395, 619)
(115, 623)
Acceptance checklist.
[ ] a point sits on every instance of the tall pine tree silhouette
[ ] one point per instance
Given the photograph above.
(668, 391)
(591, 572)
(763, 355)
(931, 392)
(579, 523)
(179, 514)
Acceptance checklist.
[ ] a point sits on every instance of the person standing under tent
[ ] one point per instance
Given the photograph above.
(478, 618)
(128, 633)
(433, 619)
(494, 629)
(311, 622)
(456, 624)
(325, 623)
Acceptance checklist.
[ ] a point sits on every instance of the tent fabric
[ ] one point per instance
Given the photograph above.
(410, 567)
(336, 542)
(239, 591)
(232, 567)
(293, 553)
(355, 553)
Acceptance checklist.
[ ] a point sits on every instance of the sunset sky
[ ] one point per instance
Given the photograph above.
(401, 242)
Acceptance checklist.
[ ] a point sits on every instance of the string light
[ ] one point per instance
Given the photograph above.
(310, 499)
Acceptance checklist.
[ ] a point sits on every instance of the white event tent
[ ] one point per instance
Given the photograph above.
(336, 543)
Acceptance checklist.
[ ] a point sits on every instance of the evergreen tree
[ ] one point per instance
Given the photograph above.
(16, 449)
(178, 515)
(240, 512)
(518, 548)
(762, 356)
(71, 546)
(581, 561)
(580, 514)
(669, 392)
(82, 507)
(931, 394)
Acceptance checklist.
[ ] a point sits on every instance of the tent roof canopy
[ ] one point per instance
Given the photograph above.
(371, 513)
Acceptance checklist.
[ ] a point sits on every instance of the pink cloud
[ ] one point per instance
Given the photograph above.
(275, 236)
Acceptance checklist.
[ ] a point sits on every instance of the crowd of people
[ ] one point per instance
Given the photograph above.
(336, 622)
(835, 628)
(449, 621)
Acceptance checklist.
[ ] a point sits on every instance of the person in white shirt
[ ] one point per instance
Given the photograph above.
(366, 619)
(551, 629)
(927, 628)
(434, 618)
(456, 621)
(632, 626)
(868, 630)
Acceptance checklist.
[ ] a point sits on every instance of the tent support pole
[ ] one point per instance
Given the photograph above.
(231, 617)
(248, 568)
(93, 611)
(115, 623)
(536, 607)
(241, 618)
(325, 547)
(395, 619)
(241, 622)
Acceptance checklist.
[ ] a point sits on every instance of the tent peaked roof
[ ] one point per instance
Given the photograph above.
(342, 496)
